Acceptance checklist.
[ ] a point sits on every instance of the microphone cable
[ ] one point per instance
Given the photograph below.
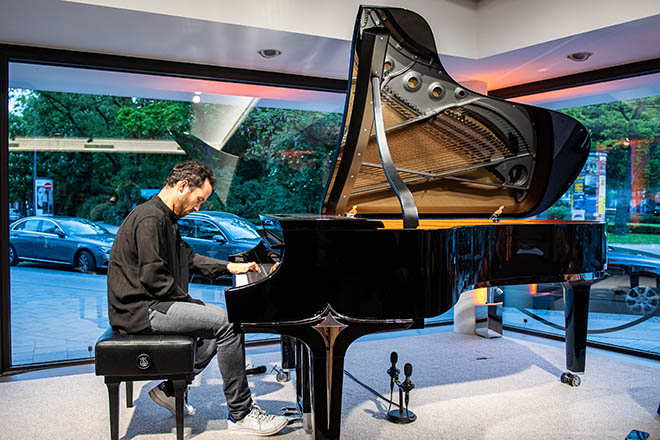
(372, 391)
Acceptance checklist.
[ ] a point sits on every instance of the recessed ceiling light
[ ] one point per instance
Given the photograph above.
(579, 56)
(270, 53)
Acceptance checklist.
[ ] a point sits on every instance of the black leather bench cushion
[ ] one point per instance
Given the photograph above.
(144, 355)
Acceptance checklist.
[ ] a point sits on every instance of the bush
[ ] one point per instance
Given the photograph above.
(558, 211)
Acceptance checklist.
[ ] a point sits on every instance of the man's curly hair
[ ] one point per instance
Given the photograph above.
(192, 172)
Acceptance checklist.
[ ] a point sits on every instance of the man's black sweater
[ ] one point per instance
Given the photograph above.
(150, 265)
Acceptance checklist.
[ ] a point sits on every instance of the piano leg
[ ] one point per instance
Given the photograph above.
(303, 389)
(327, 376)
(287, 346)
(576, 314)
(327, 336)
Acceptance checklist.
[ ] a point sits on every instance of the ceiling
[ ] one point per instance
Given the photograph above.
(620, 44)
(462, 29)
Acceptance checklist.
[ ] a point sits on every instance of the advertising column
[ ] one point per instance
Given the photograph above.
(594, 187)
(577, 198)
(602, 187)
(43, 196)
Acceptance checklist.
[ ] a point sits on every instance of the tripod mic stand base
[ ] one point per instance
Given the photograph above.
(401, 417)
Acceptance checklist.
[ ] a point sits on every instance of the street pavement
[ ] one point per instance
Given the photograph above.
(58, 314)
(648, 248)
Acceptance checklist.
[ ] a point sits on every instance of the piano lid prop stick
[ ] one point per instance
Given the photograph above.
(352, 212)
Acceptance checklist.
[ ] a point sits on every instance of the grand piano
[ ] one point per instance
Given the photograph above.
(430, 195)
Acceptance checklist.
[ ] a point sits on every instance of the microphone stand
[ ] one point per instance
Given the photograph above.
(399, 415)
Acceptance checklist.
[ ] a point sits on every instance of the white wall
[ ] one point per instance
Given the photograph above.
(505, 25)
(314, 35)
(467, 28)
(452, 21)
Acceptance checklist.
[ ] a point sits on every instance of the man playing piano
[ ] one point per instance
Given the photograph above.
(148, 293)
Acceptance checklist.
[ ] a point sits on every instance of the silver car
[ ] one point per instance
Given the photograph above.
(70, 241)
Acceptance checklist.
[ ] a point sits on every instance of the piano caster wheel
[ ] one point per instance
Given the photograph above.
(282, 376)
(571, 379)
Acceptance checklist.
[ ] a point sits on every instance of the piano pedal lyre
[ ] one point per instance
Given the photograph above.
(294, 415)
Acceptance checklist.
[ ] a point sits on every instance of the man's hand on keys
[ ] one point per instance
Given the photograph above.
(237, 268)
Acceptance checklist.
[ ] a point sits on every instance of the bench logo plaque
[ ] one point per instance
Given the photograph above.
(143, 361)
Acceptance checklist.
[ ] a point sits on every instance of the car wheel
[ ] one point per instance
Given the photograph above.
(641, 300)
(85, 262)
(13, 256)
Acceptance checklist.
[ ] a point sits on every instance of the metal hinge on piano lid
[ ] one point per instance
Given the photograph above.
(424, 146)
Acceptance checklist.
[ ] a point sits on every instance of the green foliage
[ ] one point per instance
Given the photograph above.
(285, 166)
(559, 211)
(633, 238)
(628, 132)
(617, 125)
(82, 181)
(152, 119)
(284, 154)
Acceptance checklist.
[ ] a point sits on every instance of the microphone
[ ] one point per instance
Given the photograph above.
(256, 370)
(407, 384)
(393, 371)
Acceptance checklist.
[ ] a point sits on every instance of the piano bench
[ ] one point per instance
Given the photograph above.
(129, 358)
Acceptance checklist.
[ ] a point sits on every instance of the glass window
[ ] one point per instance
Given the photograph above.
(31, 226)
(19, 226)
(49, 227)
(619, 185)
(82, 227)
(206, 230)
(87, 146)
(240, 229)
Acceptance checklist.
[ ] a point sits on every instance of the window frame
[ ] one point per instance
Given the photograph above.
(10, 53)
(89, 60)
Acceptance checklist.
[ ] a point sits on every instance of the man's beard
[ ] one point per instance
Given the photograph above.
(180, 208)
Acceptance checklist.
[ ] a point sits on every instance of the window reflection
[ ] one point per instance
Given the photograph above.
(620, 185)
(82, 157)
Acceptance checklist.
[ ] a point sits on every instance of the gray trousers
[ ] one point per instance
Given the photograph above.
(216, 335)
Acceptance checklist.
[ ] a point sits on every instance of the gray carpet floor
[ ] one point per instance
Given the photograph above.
(466, 388)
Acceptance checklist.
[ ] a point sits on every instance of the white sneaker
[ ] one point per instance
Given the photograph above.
(257, 422)
(160, 396)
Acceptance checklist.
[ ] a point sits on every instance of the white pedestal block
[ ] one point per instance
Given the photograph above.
(464, 313)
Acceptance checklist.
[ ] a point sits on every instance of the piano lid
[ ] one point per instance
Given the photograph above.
(427, 146)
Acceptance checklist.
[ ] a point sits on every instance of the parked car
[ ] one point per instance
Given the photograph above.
(218, 234)
(632, 287)
(70, 241)
(14, 214)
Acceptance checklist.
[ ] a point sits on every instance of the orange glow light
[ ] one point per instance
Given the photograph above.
(480, 295)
